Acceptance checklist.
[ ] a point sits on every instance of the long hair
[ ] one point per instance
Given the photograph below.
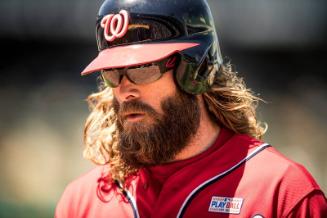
(233, 105)
(230, 103)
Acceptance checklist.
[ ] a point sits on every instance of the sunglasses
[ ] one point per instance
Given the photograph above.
(139, 75)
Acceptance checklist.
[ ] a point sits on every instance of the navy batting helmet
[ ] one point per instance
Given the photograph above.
(135, 32)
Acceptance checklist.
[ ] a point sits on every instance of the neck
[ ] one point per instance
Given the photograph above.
(205, 136)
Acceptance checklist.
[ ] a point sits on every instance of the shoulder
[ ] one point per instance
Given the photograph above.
(286, 169)
(79, 192)
(285, 181)
(278, 180)
(299, 193)
(269, 166)
(93, 195)
(271, 163)
(268, 162)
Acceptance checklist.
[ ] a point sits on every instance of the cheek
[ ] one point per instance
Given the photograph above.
(159, 91)
(165, 86)
(154, 99)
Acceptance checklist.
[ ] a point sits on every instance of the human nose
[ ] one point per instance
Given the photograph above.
(127, 90)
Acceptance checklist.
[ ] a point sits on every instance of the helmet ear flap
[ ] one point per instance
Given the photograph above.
(195, 79)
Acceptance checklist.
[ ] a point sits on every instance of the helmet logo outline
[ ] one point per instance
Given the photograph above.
(115, 25)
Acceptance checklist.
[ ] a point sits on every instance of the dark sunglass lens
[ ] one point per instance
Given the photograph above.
(111, 77)
(144, 75)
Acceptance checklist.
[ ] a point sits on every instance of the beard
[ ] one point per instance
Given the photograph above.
(157, 138)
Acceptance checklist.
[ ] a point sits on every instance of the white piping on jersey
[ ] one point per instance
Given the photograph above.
(253, 153)
(131, 200)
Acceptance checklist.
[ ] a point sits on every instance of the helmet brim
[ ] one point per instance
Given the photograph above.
(134, 55)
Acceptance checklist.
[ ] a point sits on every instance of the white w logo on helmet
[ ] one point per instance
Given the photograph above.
(115, 25)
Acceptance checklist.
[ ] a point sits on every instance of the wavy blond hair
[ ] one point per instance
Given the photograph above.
(230, 103)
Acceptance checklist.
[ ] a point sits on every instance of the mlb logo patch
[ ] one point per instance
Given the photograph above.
(225, 205)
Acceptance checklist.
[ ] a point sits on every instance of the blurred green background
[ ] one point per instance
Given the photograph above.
(279, 47)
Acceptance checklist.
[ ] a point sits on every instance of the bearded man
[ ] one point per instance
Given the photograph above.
(174, 129)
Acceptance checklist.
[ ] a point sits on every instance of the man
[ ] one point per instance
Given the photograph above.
(174, 129)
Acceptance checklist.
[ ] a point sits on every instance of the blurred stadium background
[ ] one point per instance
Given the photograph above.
(279, 47)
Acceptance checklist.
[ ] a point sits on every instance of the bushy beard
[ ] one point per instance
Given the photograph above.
(161, 138)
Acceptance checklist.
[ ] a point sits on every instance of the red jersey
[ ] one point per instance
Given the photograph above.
(238, 176)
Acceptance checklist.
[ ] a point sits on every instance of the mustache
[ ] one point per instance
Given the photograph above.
(133, 106)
